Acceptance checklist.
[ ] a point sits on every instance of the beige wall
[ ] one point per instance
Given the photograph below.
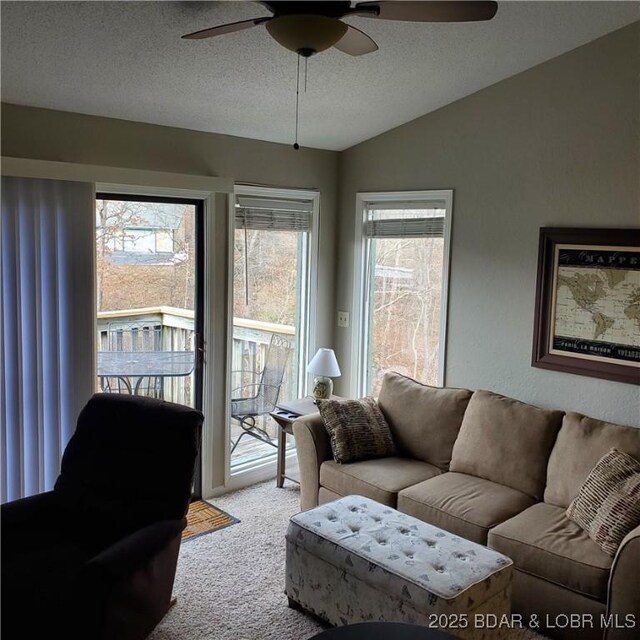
(70, 137)
(554, 146)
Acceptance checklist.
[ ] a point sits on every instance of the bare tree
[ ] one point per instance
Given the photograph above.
(266, 275)
(125, 283)
(406, 307)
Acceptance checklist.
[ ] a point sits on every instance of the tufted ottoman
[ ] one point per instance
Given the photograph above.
(354, 560)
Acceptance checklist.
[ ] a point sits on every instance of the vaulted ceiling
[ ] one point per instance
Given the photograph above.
(127, 60)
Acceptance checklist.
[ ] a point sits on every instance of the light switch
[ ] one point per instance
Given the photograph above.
(343, 318)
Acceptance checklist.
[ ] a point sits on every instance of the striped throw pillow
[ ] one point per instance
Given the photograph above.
(607, 506)
(357, 429)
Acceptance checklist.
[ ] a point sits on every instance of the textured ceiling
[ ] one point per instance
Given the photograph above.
(126, 60)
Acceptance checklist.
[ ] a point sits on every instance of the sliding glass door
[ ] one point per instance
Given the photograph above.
(148, 297)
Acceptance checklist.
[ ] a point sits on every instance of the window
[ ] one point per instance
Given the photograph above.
(403, 277)
(273, 249)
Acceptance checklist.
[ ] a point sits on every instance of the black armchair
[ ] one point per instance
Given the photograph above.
(96, 557)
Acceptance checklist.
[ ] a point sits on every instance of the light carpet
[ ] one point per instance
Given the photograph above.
(230, 583)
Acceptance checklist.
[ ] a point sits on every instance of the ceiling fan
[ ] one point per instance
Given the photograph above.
(310, 27)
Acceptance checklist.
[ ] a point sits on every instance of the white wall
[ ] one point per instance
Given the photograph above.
(554, 146)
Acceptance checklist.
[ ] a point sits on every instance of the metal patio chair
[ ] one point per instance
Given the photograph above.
(255, 399)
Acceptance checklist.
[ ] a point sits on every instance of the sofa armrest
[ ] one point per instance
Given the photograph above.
(313, 447)
(623, 598)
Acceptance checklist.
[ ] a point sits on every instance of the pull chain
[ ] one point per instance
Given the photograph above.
(296, 146)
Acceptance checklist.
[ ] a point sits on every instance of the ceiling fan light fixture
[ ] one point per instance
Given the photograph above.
(306, 34)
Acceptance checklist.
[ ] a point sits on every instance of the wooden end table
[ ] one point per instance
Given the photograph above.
(285, 414)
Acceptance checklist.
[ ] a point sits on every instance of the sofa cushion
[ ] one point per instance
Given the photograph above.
(379, 479)
(608, 504)
(357, 429)
(544, 543)
(506, 441)
(424, 420)
(463, 504)
(581, 442)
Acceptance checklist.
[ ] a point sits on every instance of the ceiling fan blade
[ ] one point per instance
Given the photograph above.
(468, 11)
(332, 9)
(225, 28)
(356, 42)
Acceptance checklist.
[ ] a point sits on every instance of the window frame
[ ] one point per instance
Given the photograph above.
(362, 282)
(308, 289)
(105, 192)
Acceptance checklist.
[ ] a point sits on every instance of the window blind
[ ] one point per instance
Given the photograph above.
(407, 228)
(273, 214)
(406, 205)
(413, 219)
(46, 339)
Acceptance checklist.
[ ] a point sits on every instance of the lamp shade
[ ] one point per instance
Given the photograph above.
(324, 363)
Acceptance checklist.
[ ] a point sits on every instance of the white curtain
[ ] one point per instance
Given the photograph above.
(47, 313)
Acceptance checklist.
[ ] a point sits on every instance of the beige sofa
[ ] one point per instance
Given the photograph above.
(502, 473)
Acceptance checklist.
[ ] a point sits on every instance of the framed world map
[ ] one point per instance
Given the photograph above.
(587, 318)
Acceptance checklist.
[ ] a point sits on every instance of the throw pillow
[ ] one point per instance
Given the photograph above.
(607, 506)
(357, 429)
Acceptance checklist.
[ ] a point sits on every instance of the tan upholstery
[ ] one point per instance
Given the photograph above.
(542, 541)
(462, 504)
(581, 442)
(424, 420)
(313, 447)
(379, 479)
(533, 596)
(623, 592)
(506, 441)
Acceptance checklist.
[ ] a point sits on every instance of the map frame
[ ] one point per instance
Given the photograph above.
(616, 249)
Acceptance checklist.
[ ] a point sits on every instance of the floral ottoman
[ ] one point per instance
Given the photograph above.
(354, 560)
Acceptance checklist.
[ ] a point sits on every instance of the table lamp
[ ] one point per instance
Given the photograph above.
(323, 367)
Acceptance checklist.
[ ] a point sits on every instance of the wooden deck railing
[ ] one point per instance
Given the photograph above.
(173, 330)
